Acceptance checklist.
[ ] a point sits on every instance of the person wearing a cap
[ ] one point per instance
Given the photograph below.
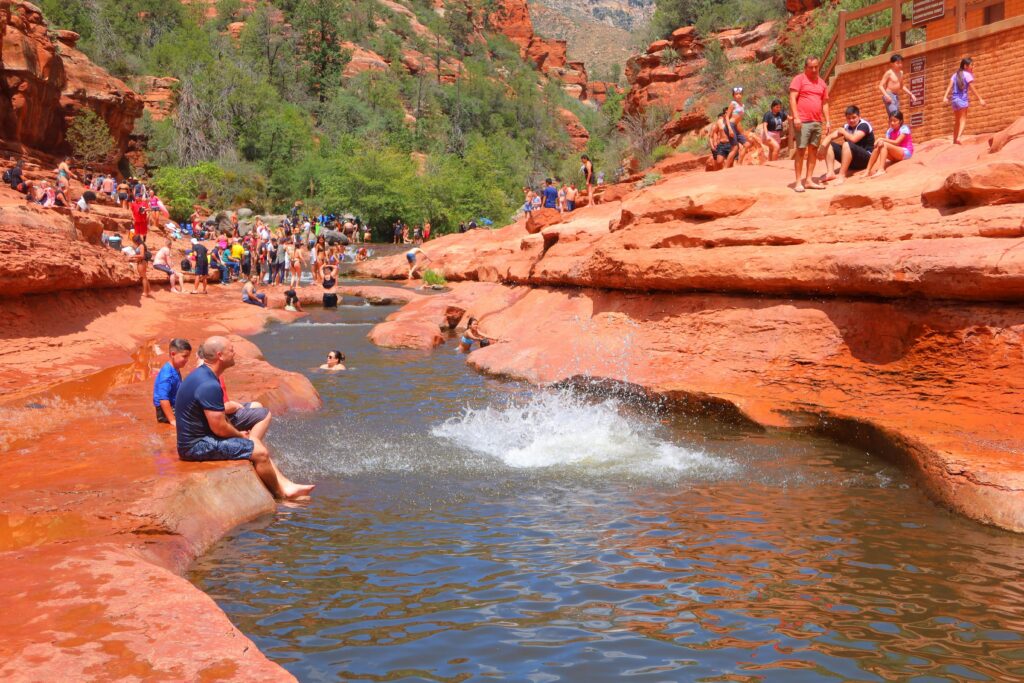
(735, 118)
(202, 269)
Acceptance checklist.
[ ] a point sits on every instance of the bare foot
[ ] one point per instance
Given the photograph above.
(798, 187)
(957, 142)
(298, 491)
(877, 173)
(814, 185)
(840, 180)
(828, 178)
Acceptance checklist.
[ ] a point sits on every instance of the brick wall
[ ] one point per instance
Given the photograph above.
(998, 52)
(946, 26)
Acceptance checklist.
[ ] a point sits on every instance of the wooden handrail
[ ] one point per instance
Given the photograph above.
(869, 36)
(870, 9)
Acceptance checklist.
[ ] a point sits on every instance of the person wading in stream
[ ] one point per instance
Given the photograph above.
(204, 431)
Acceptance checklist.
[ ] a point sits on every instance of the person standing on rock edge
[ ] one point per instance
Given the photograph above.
(411, 257)
(550, 193)
(202, 269)
(204, 432)
(165, 388)
(587, 168)
(140, 257)
(140, 218)
(808, 100)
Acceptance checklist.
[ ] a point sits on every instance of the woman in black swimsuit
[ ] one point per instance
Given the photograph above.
(329, 275)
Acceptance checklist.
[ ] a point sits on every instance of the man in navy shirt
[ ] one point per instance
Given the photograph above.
(550, 195)
(205, 433)
(165, 388)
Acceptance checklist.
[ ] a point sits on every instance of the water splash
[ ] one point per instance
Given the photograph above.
(562, 430)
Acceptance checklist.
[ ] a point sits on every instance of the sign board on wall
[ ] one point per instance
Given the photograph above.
(917, 119)
(917, 65)
(916, 87)
(928, 10)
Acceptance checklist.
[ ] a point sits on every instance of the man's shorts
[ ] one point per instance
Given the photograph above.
(247, 417)
(164, 269)
(860, 156)
(809, 135)
(212, 448)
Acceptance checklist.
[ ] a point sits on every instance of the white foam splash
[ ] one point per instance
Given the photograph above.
(559, 429)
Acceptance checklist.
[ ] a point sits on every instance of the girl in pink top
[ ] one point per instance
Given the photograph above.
(896, 146)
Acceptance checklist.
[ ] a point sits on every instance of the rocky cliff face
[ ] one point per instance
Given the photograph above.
(45, 82)
(883, 312)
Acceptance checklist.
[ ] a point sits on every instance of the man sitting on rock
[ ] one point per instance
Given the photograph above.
(204, 432)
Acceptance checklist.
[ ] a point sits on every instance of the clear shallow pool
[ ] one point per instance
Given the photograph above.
(467, 528)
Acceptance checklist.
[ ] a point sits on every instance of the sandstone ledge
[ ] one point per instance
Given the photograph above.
(100, 519)
(884, 312)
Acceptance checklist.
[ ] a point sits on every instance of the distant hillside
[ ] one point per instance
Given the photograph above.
(599, 32)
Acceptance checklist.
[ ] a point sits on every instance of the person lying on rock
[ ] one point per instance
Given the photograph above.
(472, 335)
(165, 388)
(334, 362)
(204, 432)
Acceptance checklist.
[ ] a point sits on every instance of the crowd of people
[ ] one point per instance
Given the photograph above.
(854, 146)
(561, 195)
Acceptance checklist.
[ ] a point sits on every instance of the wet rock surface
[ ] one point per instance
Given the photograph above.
(883, 312)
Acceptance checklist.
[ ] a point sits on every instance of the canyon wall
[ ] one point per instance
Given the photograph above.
(45, 82)
(884, 312)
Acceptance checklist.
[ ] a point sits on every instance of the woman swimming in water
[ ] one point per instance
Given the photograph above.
(472, 335)
(334, 362)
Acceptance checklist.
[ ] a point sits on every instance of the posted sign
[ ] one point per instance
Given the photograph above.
(928, 10)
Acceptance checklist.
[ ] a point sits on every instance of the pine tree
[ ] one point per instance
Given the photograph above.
(90, 138)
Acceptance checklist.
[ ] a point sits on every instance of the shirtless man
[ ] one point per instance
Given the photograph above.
(162, 262)
(206, 434)
(570, 197)
(892, 86)
(412, 256)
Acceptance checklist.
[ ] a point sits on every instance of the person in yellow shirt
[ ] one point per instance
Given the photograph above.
(233, 257)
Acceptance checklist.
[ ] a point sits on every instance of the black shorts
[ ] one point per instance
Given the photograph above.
(860, 159)
(202, 267)
(723, 149)
(330, 300)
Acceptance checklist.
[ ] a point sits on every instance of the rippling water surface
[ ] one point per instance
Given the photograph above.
(467, 528)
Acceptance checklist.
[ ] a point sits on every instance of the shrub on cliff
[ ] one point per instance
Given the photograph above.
(211, 185)
(90, 138)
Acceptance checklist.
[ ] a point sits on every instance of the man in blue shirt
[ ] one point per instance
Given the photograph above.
(165, 388)
(205, 433)
(550, 195)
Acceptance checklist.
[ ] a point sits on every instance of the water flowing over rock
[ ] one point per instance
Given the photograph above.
(883, 312)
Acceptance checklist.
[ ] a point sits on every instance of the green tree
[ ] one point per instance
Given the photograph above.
(317, 25)
(90, 138)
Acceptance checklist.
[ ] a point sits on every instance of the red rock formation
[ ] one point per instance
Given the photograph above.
(672, 80)
(578, 135)
(884, 312)
(45, 84)
(158, 95)
(362, 60)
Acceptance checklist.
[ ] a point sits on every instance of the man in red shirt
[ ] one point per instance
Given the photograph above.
(140, 218)
(808, 101)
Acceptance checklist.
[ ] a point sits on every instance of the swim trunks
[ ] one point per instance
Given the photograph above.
(247, 417)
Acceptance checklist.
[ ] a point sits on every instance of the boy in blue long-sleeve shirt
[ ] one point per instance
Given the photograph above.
(165, 388)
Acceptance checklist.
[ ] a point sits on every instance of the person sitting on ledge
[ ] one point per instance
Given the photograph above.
(250, 295)
(334, 362)
(205, 434)
(165, 388)
(851, 145)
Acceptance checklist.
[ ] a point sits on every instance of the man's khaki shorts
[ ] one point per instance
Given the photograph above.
(809, 135)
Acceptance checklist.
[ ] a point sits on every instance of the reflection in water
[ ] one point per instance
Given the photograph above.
(468, 529)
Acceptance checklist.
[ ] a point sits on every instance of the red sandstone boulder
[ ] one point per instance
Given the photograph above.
(511, 18)
(362, 60)
(542, 218)
(406, 334)
(996, 182)
(158, 95)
